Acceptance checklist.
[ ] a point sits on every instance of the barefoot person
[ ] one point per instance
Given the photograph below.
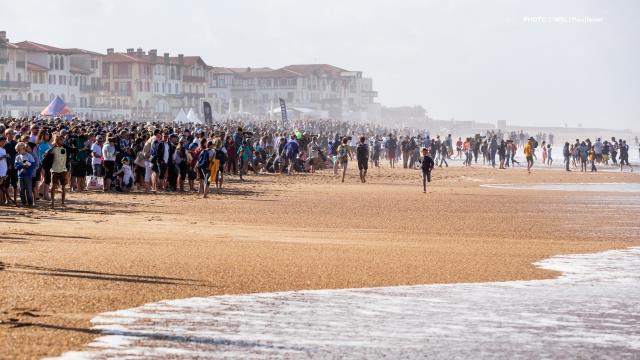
(426, 166)
(362, 154)
(528, 153)
(344, 154)
(58, 169)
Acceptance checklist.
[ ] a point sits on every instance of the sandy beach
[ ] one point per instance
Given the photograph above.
(104, 252)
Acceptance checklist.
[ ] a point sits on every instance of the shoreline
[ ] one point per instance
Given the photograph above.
(126, 331)
(121, 255)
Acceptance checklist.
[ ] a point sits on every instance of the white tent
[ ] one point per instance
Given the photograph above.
(181, 117)
(193, 117)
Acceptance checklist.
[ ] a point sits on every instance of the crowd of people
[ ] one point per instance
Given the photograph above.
(40, 157)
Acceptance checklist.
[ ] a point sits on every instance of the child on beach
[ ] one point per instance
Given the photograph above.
(426, 166)
(125, 175)
(549, 157)
(25, 164)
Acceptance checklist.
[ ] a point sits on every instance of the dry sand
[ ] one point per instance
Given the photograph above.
(58, 269)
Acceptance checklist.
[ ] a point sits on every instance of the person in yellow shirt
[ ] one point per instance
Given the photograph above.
(528, 153)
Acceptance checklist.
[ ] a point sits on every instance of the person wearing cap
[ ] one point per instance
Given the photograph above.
(528, 153)
(426, 165)
(58, 169)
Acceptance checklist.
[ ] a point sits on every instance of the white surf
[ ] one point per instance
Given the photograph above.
(592, 310)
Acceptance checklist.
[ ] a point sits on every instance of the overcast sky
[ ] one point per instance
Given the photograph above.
(468, 60)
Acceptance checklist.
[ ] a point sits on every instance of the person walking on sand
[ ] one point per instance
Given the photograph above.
(390, 146)
(426, 165)
(344, 154)
(567, 155)
(624, 155)
(444, 153)
(583, 152)
(362, 155)
(58, 169)
(528, 153)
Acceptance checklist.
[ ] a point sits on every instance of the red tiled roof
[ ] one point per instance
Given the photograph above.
(219, 70)
(123, 58)
(188, 60)
(36, 67)
(316, 69)
(279, 73)
(34, 46)
(77, 70)
(238, 70)
(83, 51)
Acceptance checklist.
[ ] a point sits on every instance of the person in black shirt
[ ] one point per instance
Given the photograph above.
(427, 166)
(362, 154)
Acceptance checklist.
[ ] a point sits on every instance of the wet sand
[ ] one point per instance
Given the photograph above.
(276, 233)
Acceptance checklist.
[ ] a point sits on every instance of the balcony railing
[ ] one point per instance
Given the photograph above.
(25, 103)
(192, 94)
(189, 78)
(90, 88)
(14, 84)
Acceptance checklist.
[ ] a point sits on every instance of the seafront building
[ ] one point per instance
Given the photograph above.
(143, 85)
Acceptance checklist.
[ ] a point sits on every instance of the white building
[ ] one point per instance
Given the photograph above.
(14, 87)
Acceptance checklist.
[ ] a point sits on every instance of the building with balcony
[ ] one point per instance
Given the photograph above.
(140, 85)
(14, 86)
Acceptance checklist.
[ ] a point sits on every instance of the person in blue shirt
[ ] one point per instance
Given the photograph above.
(291, 150)
(25, 164)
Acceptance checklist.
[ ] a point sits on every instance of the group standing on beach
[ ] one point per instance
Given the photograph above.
(41, 157)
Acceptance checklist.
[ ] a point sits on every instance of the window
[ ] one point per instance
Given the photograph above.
(177, 91)
(122, 70)
(50, 62)
(123, 88)
(57, 63)
(61, 62)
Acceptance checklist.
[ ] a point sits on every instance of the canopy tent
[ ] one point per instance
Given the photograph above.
(193, 117)
(181, 117)
(56, 107)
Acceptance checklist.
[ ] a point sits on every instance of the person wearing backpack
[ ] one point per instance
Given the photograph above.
(344, 154)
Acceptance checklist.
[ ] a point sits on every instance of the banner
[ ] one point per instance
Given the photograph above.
(208, 116)
(283, 111)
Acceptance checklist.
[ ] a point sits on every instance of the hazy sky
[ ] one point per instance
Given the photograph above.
(468, 60)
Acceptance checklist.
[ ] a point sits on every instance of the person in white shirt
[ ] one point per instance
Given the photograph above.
(109, 161)
(96, 156)
(126, 174)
